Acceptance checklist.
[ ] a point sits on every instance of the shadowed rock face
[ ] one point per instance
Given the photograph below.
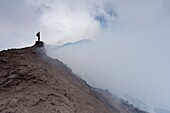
(39, 44)
(31, 82)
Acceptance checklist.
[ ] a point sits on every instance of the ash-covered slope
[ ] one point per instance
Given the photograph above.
(31, 82)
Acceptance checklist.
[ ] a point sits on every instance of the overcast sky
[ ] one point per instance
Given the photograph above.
(132, 40)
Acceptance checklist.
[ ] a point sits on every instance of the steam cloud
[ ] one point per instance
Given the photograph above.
(131, 44)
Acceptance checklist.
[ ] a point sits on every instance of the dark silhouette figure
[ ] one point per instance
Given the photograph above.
(38, 35)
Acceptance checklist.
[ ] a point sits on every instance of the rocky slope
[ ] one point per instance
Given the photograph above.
(31, 82)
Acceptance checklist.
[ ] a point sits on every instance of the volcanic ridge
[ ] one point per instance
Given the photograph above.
(32, 82)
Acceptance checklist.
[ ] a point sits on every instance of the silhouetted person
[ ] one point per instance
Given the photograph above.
(38, 35)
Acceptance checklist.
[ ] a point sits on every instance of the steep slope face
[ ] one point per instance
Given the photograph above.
(31, 82)
(113, 101)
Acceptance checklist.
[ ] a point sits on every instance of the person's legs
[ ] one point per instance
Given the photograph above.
(38, 37)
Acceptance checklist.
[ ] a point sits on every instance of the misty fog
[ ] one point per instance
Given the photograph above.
(130, 53)
(134, 66)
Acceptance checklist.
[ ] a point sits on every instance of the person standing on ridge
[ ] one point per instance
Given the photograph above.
(38, 35)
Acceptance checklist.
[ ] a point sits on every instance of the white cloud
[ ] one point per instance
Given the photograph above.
(70, 20)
